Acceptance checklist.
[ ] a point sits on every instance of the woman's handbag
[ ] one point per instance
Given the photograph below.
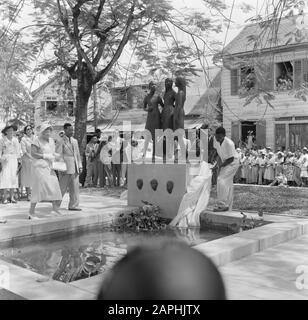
(59, 166)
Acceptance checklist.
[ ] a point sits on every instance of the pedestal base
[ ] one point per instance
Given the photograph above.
(163, 185)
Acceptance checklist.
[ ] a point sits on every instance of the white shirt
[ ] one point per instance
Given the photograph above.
(226, 150)
(105, 155)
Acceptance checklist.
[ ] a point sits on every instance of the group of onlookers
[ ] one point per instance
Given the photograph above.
(107, 159)
(42, 166)
(265, 167)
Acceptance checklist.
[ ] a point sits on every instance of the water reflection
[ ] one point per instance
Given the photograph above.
(77, 257)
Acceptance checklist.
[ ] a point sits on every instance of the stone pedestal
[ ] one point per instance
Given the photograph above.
(169, 180)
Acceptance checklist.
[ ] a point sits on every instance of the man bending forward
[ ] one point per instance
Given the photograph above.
(230, 163)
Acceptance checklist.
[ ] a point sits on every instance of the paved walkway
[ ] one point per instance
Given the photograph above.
(14, 213)
(270, 274)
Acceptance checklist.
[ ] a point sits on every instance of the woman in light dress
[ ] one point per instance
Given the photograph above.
(279, 163)
(45, 186)
(106, 158)
(26, 168)
(304, 172)
(243, 168)
(288, 168)
(297, 169)
(255, 168)
(10, 153)
(269, 173)
(261, 161)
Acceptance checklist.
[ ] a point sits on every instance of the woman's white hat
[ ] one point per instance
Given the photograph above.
(43, 127)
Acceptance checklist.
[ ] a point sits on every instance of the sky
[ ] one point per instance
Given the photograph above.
(238, 20)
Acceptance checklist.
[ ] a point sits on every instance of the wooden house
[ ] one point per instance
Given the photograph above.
(277, 67)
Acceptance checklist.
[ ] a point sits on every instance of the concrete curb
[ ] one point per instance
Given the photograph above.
(240, 245)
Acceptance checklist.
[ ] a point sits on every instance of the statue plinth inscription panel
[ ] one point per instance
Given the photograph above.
(163, 185)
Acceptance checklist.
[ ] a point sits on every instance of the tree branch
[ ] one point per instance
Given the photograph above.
(125, 38)
(74, 36)
(99, 12)
(69, 69)
(142, 26)
(100, 50)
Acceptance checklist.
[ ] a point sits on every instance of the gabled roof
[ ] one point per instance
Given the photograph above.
(208, 96)
(242, 42)
(44, 85)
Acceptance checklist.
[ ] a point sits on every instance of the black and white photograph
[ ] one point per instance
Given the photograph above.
(153, 150)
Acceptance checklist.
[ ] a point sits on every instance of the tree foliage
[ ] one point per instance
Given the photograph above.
(15, 57)
(88, 37)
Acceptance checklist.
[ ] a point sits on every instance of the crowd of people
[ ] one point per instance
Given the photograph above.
(27, 164)
(107, 159)
(262, 167)
(265, 167)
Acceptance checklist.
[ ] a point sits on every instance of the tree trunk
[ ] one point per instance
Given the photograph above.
(84, 89)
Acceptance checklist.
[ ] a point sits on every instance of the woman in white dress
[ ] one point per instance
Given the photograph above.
(106, 159)
(26, 168)
(269, 173)
(45, 186)
(10, 153)
(304, 172)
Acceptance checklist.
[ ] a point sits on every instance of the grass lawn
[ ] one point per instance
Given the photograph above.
(278, 200)
(270, 199)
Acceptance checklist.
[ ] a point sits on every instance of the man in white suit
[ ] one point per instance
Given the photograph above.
(69, 180)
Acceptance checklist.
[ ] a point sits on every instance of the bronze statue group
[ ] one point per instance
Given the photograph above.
(172, 104)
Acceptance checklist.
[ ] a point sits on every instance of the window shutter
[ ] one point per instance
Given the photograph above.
(267, 82)
(305, 70)
(43, 109)
(235, 132)
(264, 71)
(298, 76)
(261, 134)
(234, 82)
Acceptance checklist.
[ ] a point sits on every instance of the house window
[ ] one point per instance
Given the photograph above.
(60, 108)
(51, 106)
(70, 108)
(298, 135)
(284, 76)
(280, 136)
(248, 79)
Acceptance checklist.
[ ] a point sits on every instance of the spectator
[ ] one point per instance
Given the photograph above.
(99, 172)
(90, 157)
(106, 158)
(26, 165)
(304, 172)
(10, 153)
(269, 173)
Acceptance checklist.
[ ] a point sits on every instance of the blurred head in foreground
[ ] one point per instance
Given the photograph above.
(163, 271)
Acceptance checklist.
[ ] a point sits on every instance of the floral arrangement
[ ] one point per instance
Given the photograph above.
(145, 218)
